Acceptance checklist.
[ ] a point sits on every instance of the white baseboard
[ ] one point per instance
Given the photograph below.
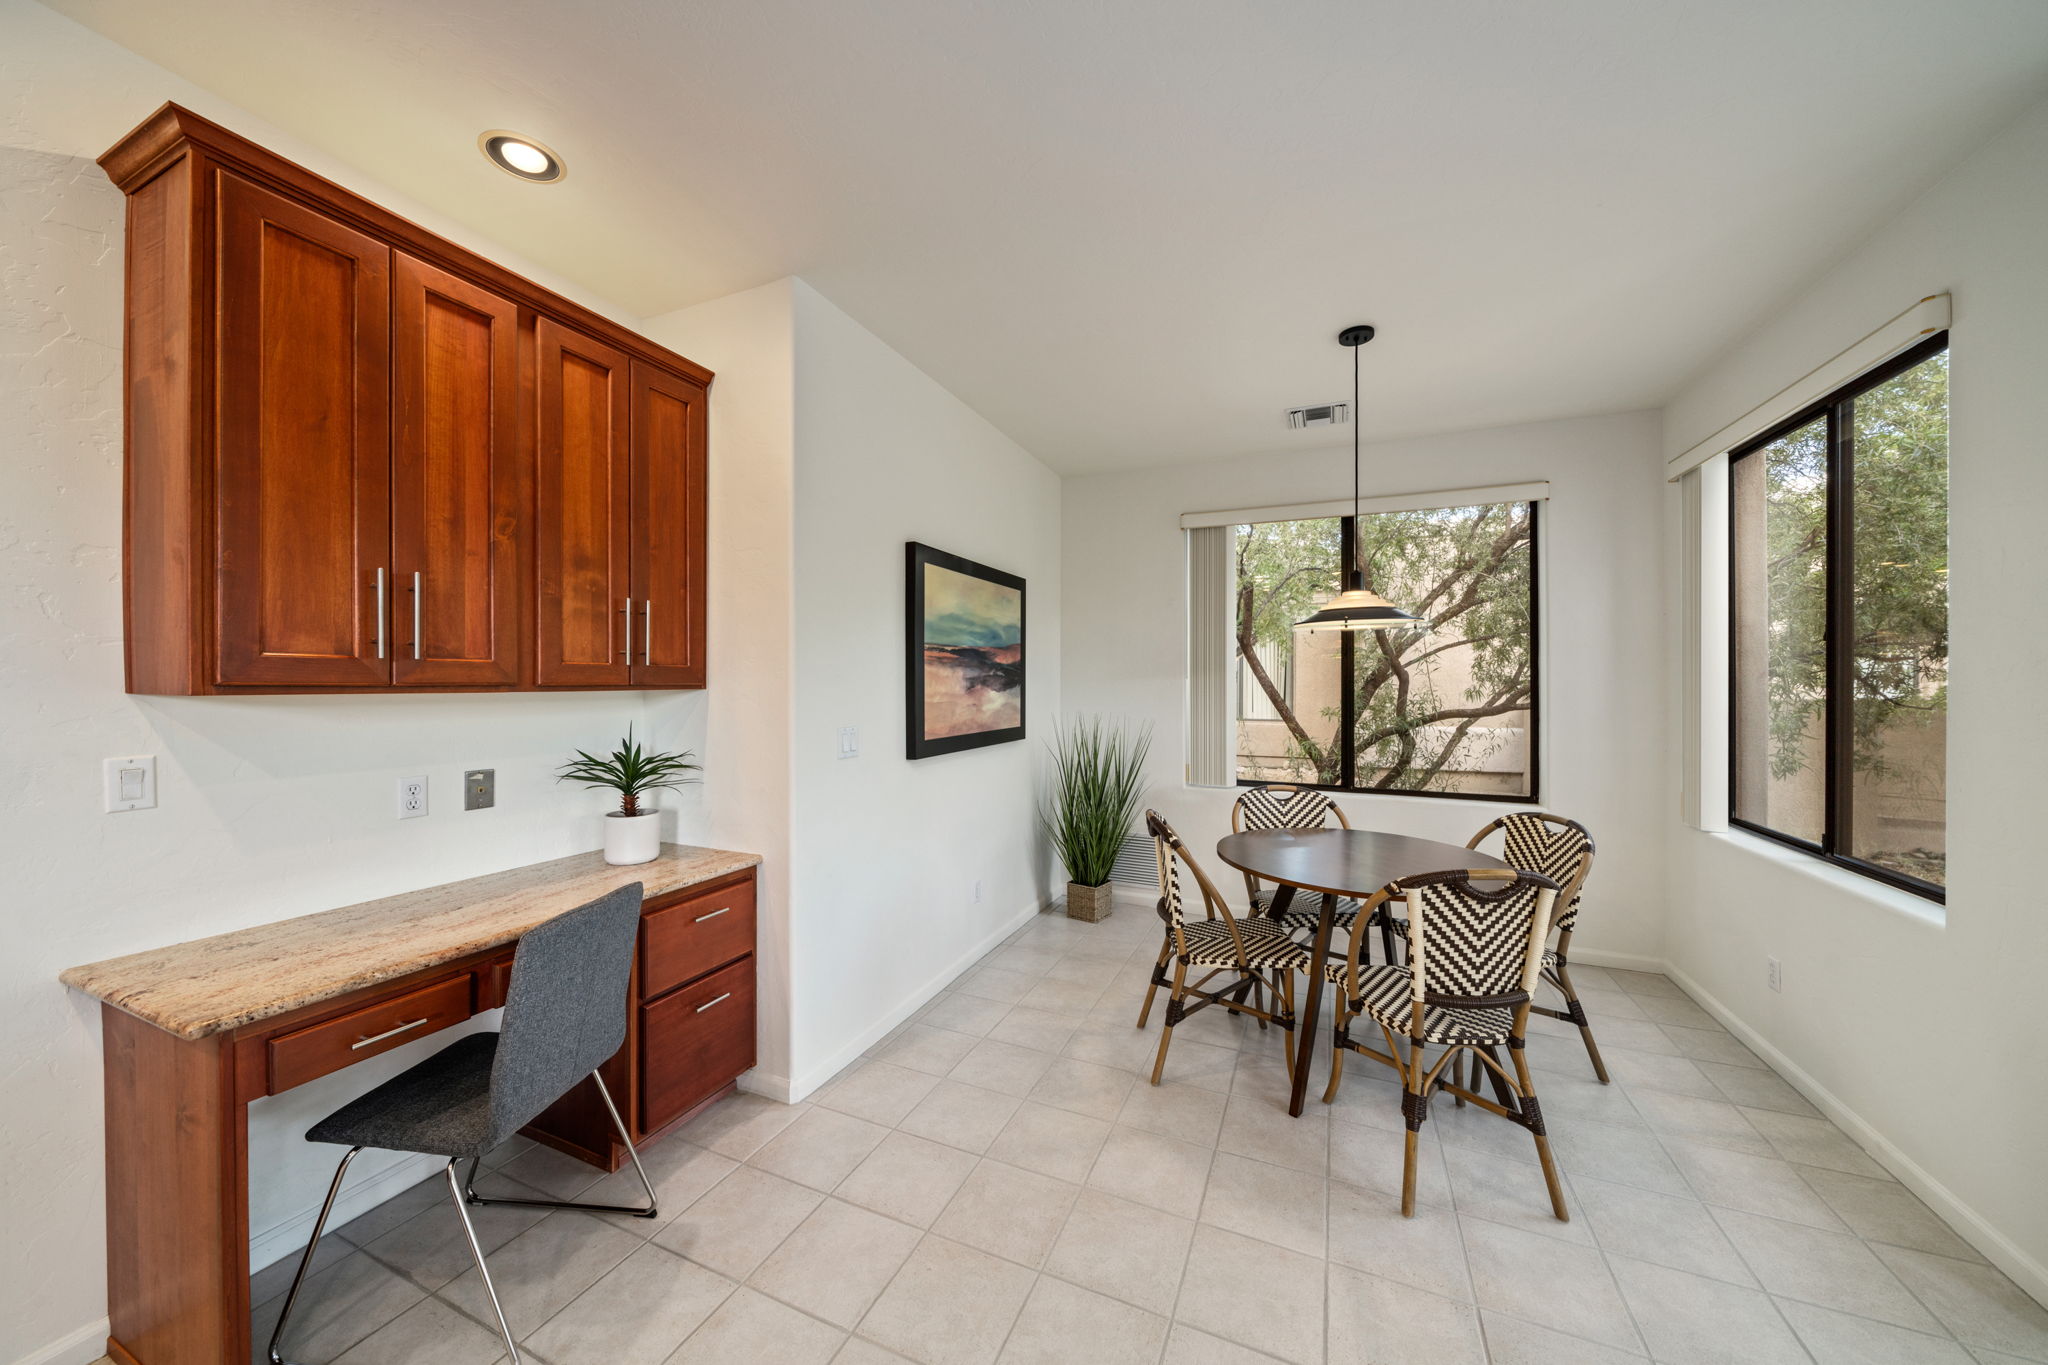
(2028, 1273)
(358, 1196)
(1631, 962)
(81, 1347)
(789, 1090)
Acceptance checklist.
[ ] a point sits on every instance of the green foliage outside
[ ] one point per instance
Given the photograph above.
(1899, 649)
(1465, 570)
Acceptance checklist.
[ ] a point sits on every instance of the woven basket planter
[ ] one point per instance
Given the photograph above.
(1091, 903)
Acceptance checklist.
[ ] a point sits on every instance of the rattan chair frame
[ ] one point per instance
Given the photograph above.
(1245, 981)
(1560, 976)
(1421, 1078)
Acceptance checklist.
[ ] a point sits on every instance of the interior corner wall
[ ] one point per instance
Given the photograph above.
(1603, 695)
(1917, 1027)
(748, 339)
(886, 853)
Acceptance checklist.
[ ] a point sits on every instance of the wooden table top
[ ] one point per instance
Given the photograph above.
(210, 985)
(1342, 862)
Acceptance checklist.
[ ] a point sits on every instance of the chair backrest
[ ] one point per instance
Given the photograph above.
(1172, 853)
(1550, 846)
(1474, 936)
(1283, 806)
(565, 1009)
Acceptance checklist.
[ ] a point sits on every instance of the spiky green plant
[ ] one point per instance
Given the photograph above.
(1097, 784)
(630, 771)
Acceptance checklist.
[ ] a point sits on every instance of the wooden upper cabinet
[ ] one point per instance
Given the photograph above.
(302, 457)
(581, 479)
(668, 528)
(362, 458)
(456, 485)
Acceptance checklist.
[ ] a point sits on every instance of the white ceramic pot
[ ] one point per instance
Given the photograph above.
(632, 838)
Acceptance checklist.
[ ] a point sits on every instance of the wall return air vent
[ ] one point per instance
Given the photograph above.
(1326, 415)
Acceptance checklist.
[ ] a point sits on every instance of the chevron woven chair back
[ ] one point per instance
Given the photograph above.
(1474, 936)
(1283, 808)
(1171, 851)
(1553, 847)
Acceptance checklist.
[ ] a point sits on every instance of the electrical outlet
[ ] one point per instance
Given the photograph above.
(977, 891)
(1773, 974)
(130, 783)
(412, 797)
(480, 789)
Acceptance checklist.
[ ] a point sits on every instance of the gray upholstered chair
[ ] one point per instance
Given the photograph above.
(565, 1015)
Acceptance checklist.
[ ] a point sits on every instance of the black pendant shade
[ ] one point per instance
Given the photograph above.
(1357, 607)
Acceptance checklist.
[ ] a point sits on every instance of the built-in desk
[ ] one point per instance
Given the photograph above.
(195, 1031)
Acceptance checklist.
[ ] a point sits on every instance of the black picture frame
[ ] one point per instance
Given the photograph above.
(917, 557)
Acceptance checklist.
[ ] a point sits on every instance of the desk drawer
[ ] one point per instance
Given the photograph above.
(332, 1044)
(693, 1041)
(683, 941)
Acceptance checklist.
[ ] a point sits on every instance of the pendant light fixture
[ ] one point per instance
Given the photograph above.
(1357, 607)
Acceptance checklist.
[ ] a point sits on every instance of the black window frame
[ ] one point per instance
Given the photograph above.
(1347, 720)
(1837, 721)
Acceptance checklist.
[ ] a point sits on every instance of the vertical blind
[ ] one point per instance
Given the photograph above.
(1703, 626)
(1210, 589)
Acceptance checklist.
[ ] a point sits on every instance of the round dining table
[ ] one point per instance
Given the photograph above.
(1332, 863)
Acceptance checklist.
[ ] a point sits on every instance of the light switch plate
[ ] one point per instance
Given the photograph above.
(849, 741)
(131, 783)
(480, 789)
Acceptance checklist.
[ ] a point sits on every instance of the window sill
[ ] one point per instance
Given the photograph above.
(1917, 908)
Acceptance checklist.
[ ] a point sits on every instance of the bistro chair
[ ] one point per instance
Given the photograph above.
(1561, 850)
(1219, 944)
(1281, 805)
(565, 1015)
(1474, 957)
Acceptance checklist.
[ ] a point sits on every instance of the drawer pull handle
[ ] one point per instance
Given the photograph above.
(387, 1033)
(713, 915)
(709, 1003)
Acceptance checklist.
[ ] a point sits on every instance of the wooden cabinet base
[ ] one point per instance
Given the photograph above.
(177, 1120)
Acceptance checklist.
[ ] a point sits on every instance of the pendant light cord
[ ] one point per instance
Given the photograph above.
(1357, 574)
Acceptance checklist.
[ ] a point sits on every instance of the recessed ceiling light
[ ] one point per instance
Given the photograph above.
(521, 156)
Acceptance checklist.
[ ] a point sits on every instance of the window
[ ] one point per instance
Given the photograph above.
(1839, 612)
(1446, 710)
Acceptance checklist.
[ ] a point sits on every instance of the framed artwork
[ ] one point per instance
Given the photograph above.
(965, 672)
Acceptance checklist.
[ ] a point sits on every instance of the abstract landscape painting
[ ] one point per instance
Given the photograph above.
(966, 660)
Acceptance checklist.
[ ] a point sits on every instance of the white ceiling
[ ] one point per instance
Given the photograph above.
(1126, 231)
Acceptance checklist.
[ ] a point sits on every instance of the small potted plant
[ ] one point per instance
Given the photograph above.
(631, 834)
(1098, 781)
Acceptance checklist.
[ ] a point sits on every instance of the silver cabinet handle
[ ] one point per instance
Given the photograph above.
(387, 1033)
(415, 613)
(628, 651)
(713, 915)
(380, 613)
(647, 632)
(709, 1003)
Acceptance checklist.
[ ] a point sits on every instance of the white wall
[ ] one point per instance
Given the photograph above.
(1919, 1028)
(1602, 700)
(749, 340)
(269, 807)
(885, 851)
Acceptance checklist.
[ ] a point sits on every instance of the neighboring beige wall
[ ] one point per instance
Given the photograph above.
(1919, 1023)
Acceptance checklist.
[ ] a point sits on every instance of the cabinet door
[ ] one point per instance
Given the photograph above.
(580, 518)
(693, 1041)
(455, 481)
(302, 455)
(668, 529)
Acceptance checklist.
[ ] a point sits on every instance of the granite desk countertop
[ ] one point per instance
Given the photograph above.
(211, 985)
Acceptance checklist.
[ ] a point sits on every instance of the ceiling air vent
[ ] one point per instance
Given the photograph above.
(1328, 415)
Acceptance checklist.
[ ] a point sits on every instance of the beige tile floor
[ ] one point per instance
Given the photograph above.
(996, 1182)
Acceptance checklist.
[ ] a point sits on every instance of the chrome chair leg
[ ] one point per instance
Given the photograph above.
(483, 1271)
(605, 1094)
(291, 1298)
